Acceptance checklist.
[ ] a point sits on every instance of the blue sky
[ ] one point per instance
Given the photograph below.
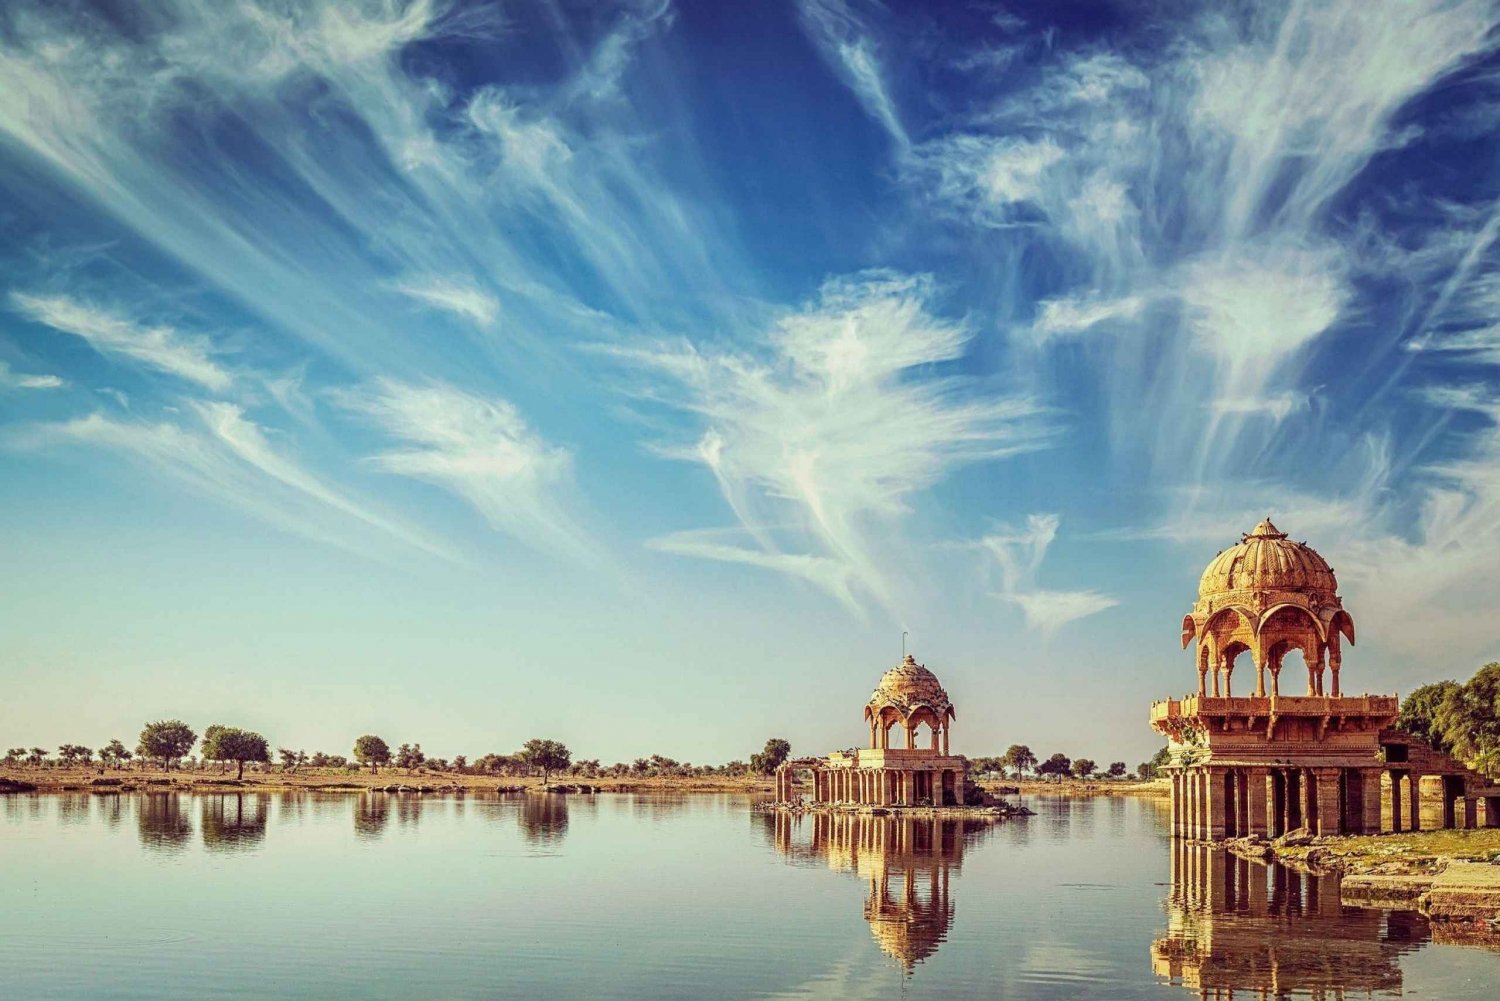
(635, 374)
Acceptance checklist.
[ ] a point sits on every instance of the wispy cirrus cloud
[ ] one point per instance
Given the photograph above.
(224, 456)
(852, 51)
(838, 419)
(10, 379)
(461, 298)
(480, 448)
(154, 345)
(1018, 554)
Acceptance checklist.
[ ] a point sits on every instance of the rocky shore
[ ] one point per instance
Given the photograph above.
(1451, 877)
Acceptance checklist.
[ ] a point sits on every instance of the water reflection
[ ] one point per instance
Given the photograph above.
(905, 863)
(162, 822)
(231, 822)
(1271, 932)
(544, 818)
(371, 814)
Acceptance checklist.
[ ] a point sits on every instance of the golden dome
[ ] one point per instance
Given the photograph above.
(1266, 560)
(907, 687)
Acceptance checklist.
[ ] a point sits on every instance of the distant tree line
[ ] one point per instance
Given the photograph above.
(168, 744)
(1459, 719)
(1018, 761)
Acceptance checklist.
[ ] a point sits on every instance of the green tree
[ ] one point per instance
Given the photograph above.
(1148, 770)
(1084, 767)
(1019, 758)
(211, 745)
(167, 741)
(36, 757)
(14, 756)
(548, 755)
(410, 757)
(460, 763)
(372, 751)
(1469, 720)
(117, 753)
(1059, 765)
(1117, 770)
(230, 743)
(69, 755)
(1419, 712)
(771, 757)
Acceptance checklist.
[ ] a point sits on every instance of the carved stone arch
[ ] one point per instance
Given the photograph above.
(1342, 622)
(1189, 630)
(1300, 610)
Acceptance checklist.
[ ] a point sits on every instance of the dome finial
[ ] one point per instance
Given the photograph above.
(1267, 530)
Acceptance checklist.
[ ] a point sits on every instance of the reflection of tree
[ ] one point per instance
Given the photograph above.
(162, 822)
(544, 818)
(408, 809)
(73, 808)
(1235, 925)
(372, 811)
(906, 863)
(232, 822)
(112, 810)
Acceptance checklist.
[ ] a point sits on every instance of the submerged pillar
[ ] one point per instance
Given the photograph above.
(1327, 813)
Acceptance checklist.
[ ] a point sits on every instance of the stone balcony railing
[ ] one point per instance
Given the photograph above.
(1274, 705)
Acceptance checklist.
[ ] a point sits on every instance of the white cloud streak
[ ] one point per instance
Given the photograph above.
(841, 36)
(837, 424)
(10, 379)
(481, 449)
(157, 346)
(1019, 554)
(228, 458)
(460, 298)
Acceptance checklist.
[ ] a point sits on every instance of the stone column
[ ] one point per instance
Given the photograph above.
(1414, 797)
(1176, 780)
(908, 787)
(1217, 807)
(1434, 802)
(1369, 779)
(1189, 803)
(1255, 802)
(1391, 816)
(1327, 806)
(1470, 819)
(947, 730)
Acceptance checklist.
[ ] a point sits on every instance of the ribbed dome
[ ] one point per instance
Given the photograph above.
(908, 686)
(1267, 560)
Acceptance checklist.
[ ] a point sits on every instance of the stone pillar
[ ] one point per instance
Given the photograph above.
(1195, 803)
(1189, 803)
(1414, 797)
(1256, 817)
(947, 730)
(1327, 807)
(1176, 780)
(908, 788)
(1470, 813)
(1242, 784)
(1217, 807)
(1434, 802)
(1369, 779)
(1309, 787)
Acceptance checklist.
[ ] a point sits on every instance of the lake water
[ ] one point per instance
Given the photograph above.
(616, 896)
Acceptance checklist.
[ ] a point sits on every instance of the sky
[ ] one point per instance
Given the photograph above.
(643, 374)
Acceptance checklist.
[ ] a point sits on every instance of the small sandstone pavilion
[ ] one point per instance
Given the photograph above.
(1266, 763)
(882, 775)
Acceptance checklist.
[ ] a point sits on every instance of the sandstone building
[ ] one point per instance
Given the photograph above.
(1267, 762)
(908, 698)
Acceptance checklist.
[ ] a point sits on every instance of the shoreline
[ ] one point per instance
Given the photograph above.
(394, 780)
(1451, 877)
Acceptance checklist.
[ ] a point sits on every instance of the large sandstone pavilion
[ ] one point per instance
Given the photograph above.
(910, 696)
(1268, 762)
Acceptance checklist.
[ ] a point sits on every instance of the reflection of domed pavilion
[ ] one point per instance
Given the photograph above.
(1236, 925)
(905, 862)
(1267, 762)
(911, 697)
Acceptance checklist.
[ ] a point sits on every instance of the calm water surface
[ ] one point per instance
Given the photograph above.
(400, 896)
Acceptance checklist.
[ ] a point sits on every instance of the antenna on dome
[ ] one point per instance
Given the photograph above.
(903, 644)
